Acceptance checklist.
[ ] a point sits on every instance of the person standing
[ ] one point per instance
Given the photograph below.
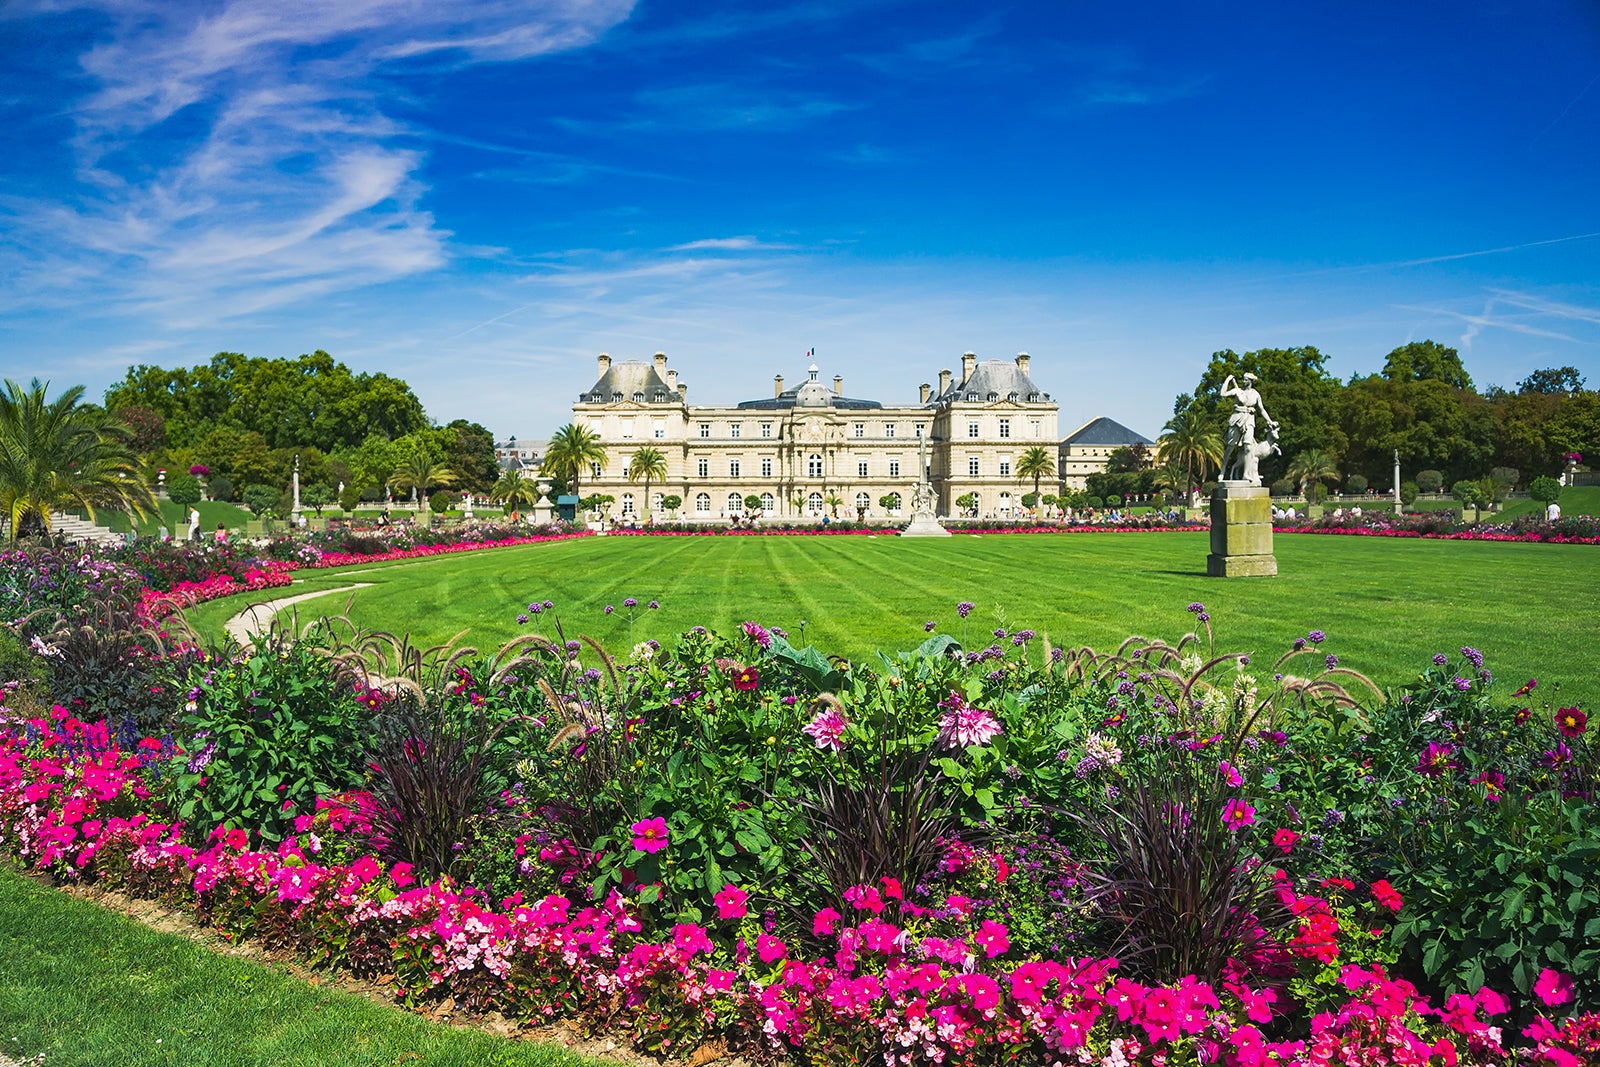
(1553, 512)
(194, 523)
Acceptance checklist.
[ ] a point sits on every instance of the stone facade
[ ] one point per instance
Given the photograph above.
(1087, 450)
(811, 442)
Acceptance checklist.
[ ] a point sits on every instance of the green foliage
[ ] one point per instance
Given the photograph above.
(1409, 491)
(752, 502)
(264, 738)
(350, 499)
(1356, 484)
(967, 501)
(889, 501)
(443, 500)
(1545, 489)
(316, 496)
(183, 489)
(262, 500)
(1552, 380)
(220, 486)
(1469, 494)
(1430, 481)
(672, 501)
(1426, 360)
(1129, 459)
(571, 450)
(1506, 477)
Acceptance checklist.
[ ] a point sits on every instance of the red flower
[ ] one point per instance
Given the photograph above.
(747, 678)
(1285, 839)
(1571, 722)
(1387, 895)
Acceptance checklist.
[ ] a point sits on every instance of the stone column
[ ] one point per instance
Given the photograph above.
(1241, 532)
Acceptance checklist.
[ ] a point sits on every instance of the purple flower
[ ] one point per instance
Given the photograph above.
(1332, 661)
(927, 627)
(609, 609)
(1436, 759)
(535, 608)
(1057, 655)
(654, 605)
(1440, 659)
(1196, 608)
(758, 634)
(1299, 643)
(522, 620)
(548, 605)
(1462, 684)
(1316, 637)
(964, 608)
(1473, 656)
(1000, 631)
(1203, 617)
(630, 603)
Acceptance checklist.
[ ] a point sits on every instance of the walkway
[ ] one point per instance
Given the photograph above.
(255, 619)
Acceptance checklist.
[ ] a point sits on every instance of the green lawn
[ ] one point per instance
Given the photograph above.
(1387, 604)
(81, 984)
(176, 518)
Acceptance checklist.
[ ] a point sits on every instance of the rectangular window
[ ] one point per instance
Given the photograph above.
(1033, 427)
(766, 429)
(1005, 466)
(919, 430)
(733, 468)
(894, 468)
(733, 429)
(972, 466)
(860, 429)
(861, 468)
(594, 470)
(766, 466)
(972, 428)
(627, 429)
(658, 429)
(705, 429)
(888, 429)
(1005, 427)
(703, 466)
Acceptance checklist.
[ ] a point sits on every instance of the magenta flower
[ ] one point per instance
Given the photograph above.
(650, 835)
(823, 922)
(758, 633)
(770, 949)
(1230, 774)
(730, 901)
(690, 939)
(994, 937)
(1238, 814)
(1571, 722)
(827, 729)
(1553, 987)
(1436, 759)
(964, 725)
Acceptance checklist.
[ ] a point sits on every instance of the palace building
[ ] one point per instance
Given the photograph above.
(809, 450)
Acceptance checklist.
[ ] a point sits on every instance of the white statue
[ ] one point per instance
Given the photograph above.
(1242, 453)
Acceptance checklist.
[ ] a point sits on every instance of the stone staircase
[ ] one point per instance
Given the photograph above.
(75, 529)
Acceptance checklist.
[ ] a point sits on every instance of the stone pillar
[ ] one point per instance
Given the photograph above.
(1241, 532)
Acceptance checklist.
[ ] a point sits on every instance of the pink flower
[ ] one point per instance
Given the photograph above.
(1237, 814)
(1230, 774)
(401, 875)
(650, 835)
(365, 869)
(865, 898)
(823, 922)
(827, 729)
(770, 949)
(730, 902)
(994, 937)
(690, 939)
(1387, 895)
(963, 725)
(1553, 987)
(1285, 839)
(746, 679)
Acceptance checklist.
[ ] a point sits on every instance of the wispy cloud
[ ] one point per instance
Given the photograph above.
(746, 243)
(1487, 319)
(239, 156)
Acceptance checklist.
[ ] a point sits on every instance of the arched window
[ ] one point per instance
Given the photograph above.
(894, 503)
(735, 504)
(1005, 503)
(594, 470)
(702, 504)
(813, 466)
(627, 503)
(863, 501)
(655, 501)
(1011, 397)
(768, 502)
(994, 396)
(638, 398)
(814, 503)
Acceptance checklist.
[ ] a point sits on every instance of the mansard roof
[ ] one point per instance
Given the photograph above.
(629, 379)
(991, 380)
(787, 399)
(1106, 432)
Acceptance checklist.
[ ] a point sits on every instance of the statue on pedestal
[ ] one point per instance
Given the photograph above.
(1242, 453)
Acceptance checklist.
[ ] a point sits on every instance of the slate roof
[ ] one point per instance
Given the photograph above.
(994, 379)
(1109, 432)
(786, 399)
(630, 379)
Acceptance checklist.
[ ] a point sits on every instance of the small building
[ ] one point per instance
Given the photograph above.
(1087, 450)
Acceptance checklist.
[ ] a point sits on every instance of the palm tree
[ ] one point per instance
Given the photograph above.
(515, 490)
(572, 448)
(1035, 463)
(647, 463)
(833, 502)
(1312, 465)
(59, 454)
(1190, 440)
(419, 473)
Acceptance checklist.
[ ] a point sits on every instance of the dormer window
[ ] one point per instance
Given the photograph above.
(661, 397)
(1033, 398)
(638, 398)
(616, 398)
(994, 396)
(1011, 397)
(972, 396)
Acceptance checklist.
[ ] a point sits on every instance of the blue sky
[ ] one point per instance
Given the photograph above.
(479, 197)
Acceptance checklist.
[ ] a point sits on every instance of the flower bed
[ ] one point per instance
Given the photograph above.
(942, 856)
(848, 528)
(1578, 530)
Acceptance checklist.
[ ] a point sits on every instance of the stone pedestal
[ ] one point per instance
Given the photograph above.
(924, 524)
(1241, 532)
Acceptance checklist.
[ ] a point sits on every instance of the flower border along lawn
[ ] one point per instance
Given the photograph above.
(81, 984)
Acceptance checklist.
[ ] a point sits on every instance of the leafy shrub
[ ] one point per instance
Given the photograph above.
(220, 487)
(350, 499)
(264, 736)
(1409, 491)
(443, 500)
(1505, 476)
(262, 500)
(1356, 484)
(1545, 489)
(183, 489)
(1429, 481)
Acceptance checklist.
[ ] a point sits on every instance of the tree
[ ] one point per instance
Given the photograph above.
(1035, 463)
(515, 491)
(1356, 484)
(1190, 440)
(1312, 467)
(648, 464)
(62, 454)
(148, 428)
(419, 474)
(572, 448)
(317, 496)
(261, 500)
(1470, 495)
(350, 499)
(967, 501)
(1429, 481)
(469, 452)
(1296, 388)
(1425, 361)
(1129, 459)
(752, 503)
(1545, 489)
(183, 489)
(833, 502)
(672, 502)
(1552, 380)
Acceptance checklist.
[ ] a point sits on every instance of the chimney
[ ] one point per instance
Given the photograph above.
(969, 360)
(777, 385)
(661, 362)
(605, 364)
(1022, 362)
(925, 389)
(838, 385)
(944, 382)
(683, 391)
(672, 379)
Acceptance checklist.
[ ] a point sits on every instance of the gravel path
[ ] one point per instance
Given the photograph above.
(250, 622)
